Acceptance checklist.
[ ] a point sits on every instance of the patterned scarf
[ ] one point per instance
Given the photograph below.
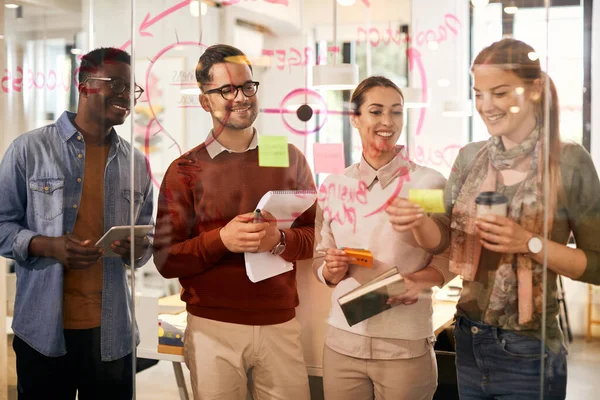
(516, 298)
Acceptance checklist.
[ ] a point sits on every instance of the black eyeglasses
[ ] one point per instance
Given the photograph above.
(230, 92)
(118, 86)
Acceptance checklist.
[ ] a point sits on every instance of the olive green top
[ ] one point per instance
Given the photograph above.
(578, 212)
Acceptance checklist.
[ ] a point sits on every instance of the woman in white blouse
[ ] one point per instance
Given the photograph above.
(390, 355)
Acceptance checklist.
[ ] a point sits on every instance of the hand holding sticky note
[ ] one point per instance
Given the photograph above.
(430, 200)
(273, 151)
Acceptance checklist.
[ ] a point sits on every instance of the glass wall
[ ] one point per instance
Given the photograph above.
(453, 118)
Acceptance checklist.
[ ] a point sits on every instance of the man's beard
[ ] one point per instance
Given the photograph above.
(230, 122)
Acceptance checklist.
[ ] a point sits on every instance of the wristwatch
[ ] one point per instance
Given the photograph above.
(279, 248)
(535, 245)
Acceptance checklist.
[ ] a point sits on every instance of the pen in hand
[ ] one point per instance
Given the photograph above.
(256, 219)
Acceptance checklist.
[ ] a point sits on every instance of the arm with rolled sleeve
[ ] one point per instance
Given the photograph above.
(439, 260)
(584, 211)
(176, 253)
(14, 235)
(441, 264)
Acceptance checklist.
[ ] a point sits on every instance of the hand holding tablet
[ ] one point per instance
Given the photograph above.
(121, 234)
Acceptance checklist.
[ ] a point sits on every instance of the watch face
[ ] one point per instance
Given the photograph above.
(535, 245)
(278, 249)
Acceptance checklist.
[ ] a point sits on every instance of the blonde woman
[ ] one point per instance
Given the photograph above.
(500, 311)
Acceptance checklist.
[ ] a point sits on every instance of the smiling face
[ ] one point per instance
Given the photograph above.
(101, 103)
(379, 122)
(505, 102)
(238, 113)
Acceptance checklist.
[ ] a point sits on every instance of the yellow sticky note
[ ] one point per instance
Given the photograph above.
(430, 200)
(273, 151)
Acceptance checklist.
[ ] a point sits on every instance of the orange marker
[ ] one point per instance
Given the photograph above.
(363, 257)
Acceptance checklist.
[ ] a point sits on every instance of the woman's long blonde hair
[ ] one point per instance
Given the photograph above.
(521, 59)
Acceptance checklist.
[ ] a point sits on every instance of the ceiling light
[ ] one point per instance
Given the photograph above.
(511, 8)
(335, 76)
(11, 5)
(480, 3)
(346, 3)
(197, 7)
(191, 91)
(533, 55)
(514, 109)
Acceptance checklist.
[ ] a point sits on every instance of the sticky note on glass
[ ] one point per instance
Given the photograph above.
(273, 151)
(430, 200)
(329, 158)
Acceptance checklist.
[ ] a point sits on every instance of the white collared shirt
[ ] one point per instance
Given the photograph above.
(214, 147)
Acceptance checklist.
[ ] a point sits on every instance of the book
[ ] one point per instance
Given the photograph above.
(169, 335)
(286, 206)
(371, 298)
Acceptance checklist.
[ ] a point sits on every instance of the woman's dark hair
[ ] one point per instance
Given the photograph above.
(358, 95)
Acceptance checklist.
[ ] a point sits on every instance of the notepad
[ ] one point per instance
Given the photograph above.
(285, 206)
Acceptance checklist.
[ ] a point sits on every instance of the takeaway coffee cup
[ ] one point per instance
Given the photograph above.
(491, 203)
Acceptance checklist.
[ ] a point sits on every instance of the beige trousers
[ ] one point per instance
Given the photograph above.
(349, 378)
(221, 356)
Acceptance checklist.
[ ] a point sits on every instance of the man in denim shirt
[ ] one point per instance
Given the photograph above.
(63, 186)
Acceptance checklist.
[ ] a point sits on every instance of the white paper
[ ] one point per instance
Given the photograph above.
(285, 206)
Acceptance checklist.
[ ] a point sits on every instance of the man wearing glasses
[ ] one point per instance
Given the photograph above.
(206, 199)
(64, 185)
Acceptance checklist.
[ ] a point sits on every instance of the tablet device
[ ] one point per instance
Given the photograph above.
(121, 233)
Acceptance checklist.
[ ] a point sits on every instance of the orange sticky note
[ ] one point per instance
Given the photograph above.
(363, 256)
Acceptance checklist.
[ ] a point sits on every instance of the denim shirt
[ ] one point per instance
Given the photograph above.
(40, 193)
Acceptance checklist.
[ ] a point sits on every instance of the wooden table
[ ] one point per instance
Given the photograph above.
(312, 318)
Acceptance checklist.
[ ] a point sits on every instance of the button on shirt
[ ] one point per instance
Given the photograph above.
(41, 175)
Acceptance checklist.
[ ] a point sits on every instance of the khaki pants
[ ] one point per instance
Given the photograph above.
(349, 378)
(220, 356)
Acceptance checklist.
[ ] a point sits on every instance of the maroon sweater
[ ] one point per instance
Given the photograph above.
(198, 197)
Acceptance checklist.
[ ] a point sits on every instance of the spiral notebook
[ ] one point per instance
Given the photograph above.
(286, 206)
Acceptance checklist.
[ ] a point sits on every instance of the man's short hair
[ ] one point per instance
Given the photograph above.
(98, 57)
(216, 54)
